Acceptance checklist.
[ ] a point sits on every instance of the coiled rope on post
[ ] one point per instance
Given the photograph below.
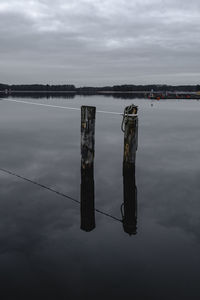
(127, 111)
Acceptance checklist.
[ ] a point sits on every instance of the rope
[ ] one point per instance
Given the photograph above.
(127, 111)
(55, 191)
(58, 106)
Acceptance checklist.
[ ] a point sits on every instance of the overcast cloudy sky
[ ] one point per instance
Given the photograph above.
(98, 42)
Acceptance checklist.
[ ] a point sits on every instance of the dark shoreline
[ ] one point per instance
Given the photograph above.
(115, 94)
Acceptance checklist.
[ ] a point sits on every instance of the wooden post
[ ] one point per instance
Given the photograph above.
(87, 135)
(87, 167)
(129, 206)
(131, 136)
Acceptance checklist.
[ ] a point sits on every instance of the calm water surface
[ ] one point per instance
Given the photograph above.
(43, 252)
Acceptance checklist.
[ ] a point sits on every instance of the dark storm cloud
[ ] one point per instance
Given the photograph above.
(99, 42)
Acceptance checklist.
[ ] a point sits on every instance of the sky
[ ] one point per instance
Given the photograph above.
(100, 42)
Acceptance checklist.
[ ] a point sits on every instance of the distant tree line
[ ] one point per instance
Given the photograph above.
(156, 88)
(93, 90)
(38, 87)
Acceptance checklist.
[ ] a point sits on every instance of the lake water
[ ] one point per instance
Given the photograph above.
(43, 252)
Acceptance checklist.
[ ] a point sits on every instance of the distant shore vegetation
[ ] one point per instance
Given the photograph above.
(93, 90)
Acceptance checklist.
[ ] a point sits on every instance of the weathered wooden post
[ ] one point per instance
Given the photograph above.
(87, 167)
(88, 114)
(130, 134)
(129, 206)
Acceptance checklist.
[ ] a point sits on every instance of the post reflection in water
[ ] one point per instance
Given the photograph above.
(87, 199)
(87, 168)
(129, 206)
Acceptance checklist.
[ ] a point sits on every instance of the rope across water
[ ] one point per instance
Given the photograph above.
(55, 191)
